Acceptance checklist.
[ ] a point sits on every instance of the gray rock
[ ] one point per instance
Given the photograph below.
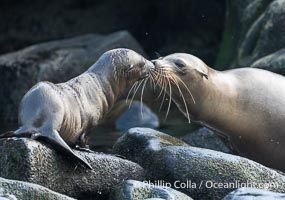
(274, 62)
(13, 190)
(254, 29)
(252, 194)
(32, 161)
(205, 138)
(55, 61)
(265, 36)
(138, 115)
(211, 174)
(154, 199)
(199, 173)
(138, 144)
(135, 190)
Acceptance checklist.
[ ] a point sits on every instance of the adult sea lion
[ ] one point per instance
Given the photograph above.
(246, 105)
(64, 113)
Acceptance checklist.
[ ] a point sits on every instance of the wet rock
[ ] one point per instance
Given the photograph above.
(13, 190)
(138, 115)
(32, 161)
(199, 173)
(135, 190)
(252, 194)
(55, 61)
(205, 138)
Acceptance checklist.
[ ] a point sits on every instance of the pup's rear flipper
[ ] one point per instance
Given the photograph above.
(54, 138)
(51, 136)
(21, 132)
(7, 134)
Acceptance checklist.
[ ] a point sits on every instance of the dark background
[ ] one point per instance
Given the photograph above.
(161, 27)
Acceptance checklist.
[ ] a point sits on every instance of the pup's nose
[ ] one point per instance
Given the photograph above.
(153, 61)
(150, 65)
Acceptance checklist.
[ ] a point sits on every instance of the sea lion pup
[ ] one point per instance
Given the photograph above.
(64, 113)
(246, 105)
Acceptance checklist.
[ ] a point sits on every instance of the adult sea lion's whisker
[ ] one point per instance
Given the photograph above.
(137, 88)
(189, 91)
(133, 86)
(153, 79)
(170, 99)
(158, 77)
(143, 87)
(159, 81)
(181, 94)
(164, 88)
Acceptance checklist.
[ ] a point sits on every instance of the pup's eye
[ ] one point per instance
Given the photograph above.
(130, 67)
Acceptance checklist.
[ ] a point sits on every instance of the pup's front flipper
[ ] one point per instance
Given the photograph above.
(85, 149)
(82, 143)
(54, 138)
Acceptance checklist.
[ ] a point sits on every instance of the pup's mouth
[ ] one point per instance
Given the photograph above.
(149, 65)
(147, 68)
(144, 75)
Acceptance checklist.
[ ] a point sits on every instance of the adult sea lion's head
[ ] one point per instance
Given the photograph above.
(180, 75)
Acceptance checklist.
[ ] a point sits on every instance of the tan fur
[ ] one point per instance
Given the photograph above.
(247, 105)
(65, 113)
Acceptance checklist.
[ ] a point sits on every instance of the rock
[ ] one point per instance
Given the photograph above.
(205, 138)
(154, 199)
(210, 174)
(12, 189)
(135, 190)
(200, 31)
(234, 31)
(274, 62)
(138, 115)
(199, 173)
(252, 194)
(31, 161)
(55, 61)
(265, 36)
(253, 30)
(133, 144)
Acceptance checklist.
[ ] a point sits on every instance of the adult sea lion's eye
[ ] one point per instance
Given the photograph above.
(180, 68)
(179, 65)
